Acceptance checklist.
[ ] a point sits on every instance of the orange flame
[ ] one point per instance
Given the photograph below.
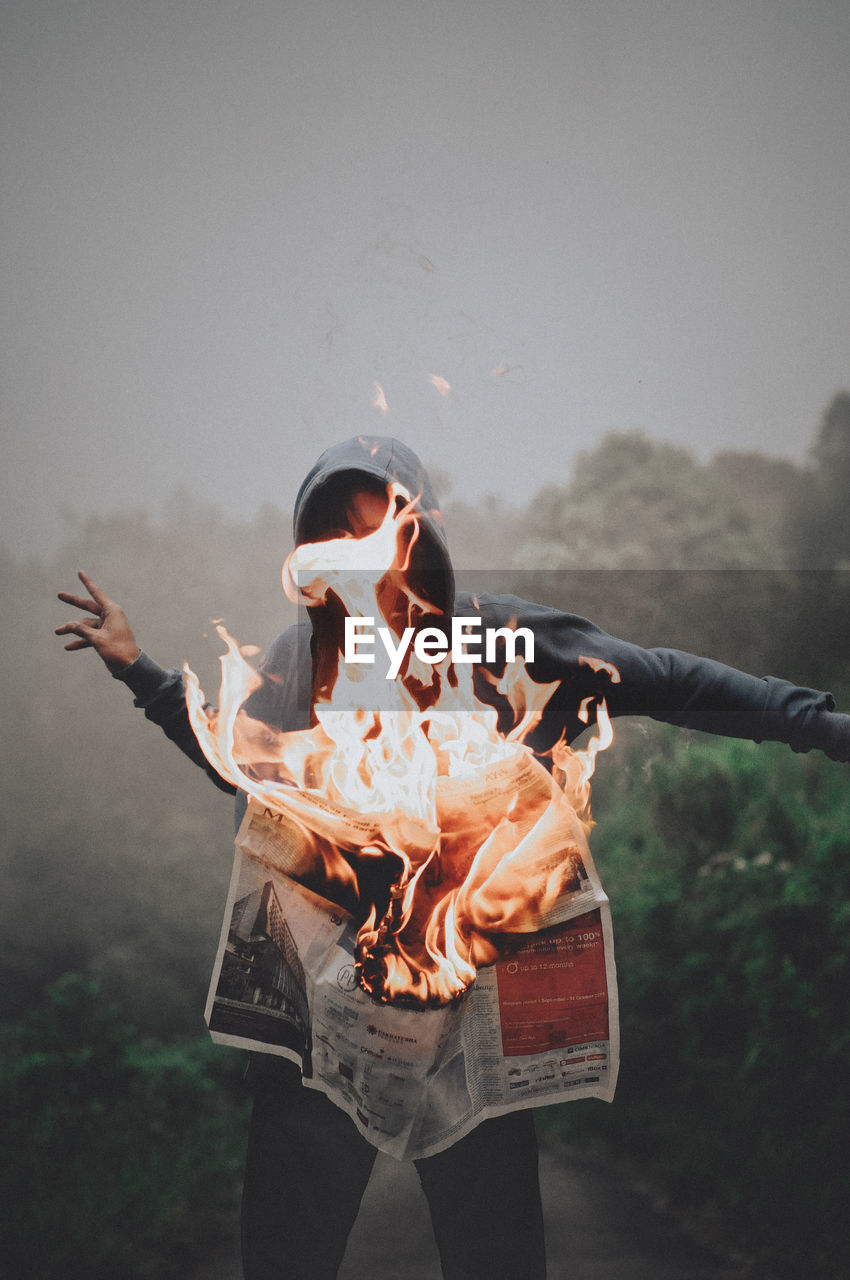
(404, 803)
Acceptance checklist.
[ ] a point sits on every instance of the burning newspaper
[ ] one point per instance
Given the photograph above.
(414, 913)
(538, 1025)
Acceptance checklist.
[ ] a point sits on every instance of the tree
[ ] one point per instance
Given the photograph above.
(642, 540)
(636, 503)
(819, 513)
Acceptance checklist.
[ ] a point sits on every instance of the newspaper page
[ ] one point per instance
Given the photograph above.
(537, 1026)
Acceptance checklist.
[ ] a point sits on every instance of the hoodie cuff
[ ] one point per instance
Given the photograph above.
(145, 678)
(830, 733)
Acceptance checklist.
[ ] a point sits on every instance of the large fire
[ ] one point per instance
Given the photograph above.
(409, 808)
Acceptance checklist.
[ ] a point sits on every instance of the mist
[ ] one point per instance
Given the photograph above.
(617, 233)
(222, 232)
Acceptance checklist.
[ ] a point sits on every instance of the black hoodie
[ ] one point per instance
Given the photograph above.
(665, 684)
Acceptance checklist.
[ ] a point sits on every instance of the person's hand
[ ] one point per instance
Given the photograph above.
(108, 632)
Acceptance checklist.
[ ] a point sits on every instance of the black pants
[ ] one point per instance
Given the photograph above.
(308, 1167)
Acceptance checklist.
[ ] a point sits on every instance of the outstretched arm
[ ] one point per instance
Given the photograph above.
(667, 684)
(160, 693)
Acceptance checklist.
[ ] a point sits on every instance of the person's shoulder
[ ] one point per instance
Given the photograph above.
(512, 610)
(485, 602)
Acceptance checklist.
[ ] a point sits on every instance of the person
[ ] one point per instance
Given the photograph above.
(307, 1165)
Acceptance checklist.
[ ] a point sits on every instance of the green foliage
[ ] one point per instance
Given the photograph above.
(122, 1156)
(728, 868)
(764, 487)
(819, 514)
(634, 503)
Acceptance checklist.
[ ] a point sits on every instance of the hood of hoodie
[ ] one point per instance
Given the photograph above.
(386, 460)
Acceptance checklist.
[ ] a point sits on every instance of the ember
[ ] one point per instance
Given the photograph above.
(408, 807)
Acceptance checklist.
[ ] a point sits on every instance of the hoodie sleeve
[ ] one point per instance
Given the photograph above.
(665, 684)
(161, 694)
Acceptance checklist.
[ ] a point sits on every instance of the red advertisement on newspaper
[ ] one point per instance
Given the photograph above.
(553, 990)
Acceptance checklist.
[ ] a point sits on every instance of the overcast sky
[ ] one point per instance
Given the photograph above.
(223, 222)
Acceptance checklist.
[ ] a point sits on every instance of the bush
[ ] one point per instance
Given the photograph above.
(123, 1155)
(728, 868)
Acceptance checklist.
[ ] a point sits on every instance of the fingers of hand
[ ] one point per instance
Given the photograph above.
(79, 602)
(100, 597)
(80, 627)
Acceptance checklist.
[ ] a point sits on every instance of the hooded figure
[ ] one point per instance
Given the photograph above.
(665, 684)
(308, 1165)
